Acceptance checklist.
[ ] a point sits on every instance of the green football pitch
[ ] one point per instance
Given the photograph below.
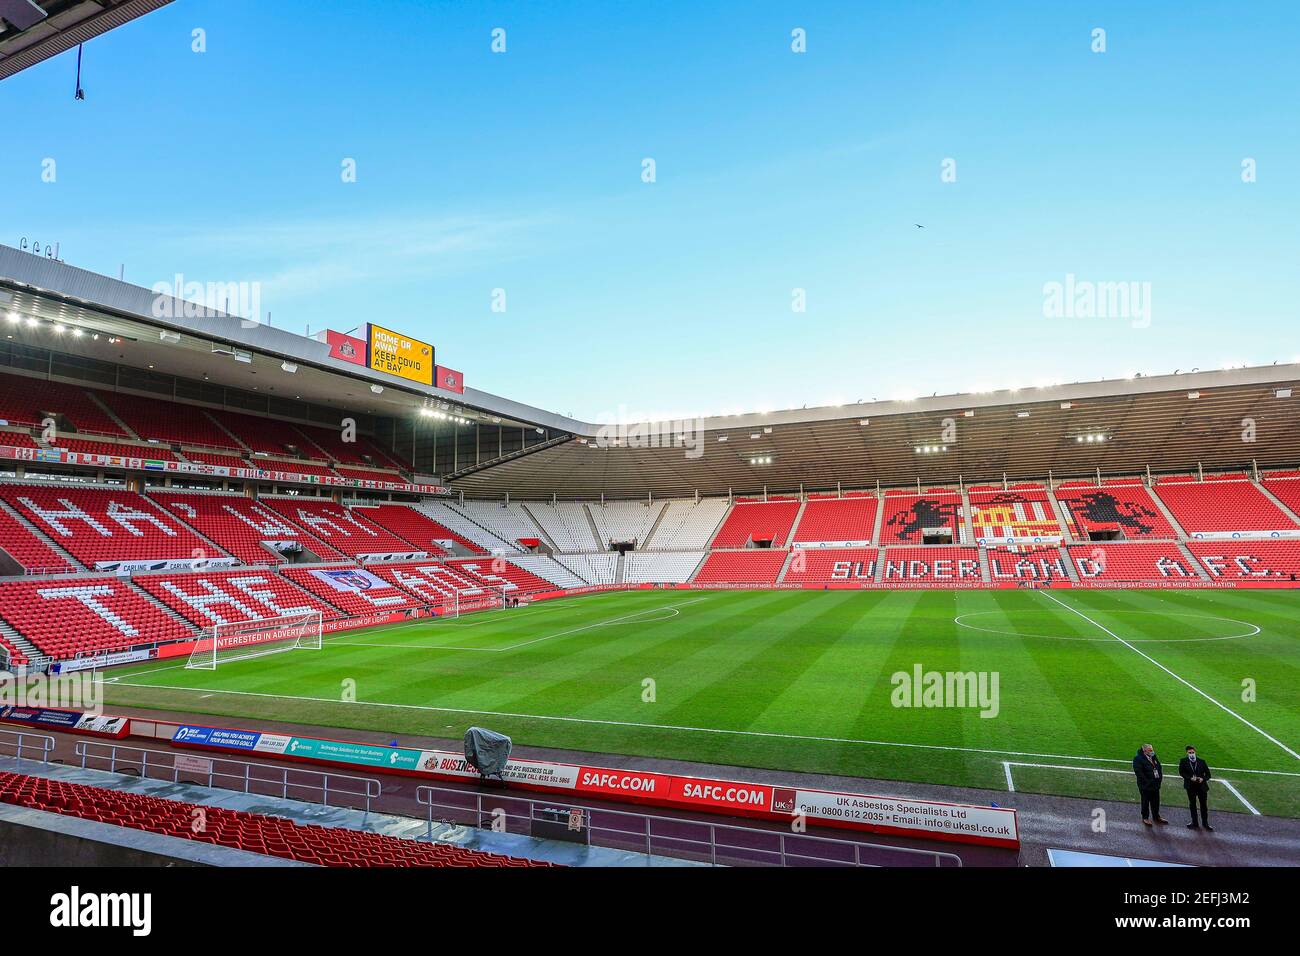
(812, 681)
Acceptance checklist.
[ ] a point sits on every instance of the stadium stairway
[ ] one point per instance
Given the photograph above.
(789, 555)
(483, 536)
(794, 529)
(591, 522)
(1164, 510)
(649, 536)
(244, 446)
(112, 415)
(1058, 509)
(479, 537)
(40, 535)
(19, 643)
(687, 525)
(544, 531)
(1070, 570)
(560, 570)
(1192, 563)
(171, 613)
(217, 550)
(968, 531)
(1281, 505)
(600, 568)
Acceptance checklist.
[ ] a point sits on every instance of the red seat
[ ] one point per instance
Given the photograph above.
(1135, 561)
(353, 590)
(909, 515)
(102, 526)
(754, 566)
(240, 525)
(815, 567)
(1121, 507)
(1019, 511)
(347, 530)
(70, 617)
(29, 401)
(930, 564)
(231, 597)
(847, 520)
(1026, 563)
(1221, 503)
(251, 832)
(757, 521)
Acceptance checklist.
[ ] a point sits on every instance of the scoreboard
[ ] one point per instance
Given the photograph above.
(400, 355)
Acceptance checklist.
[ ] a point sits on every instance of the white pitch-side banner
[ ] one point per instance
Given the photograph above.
(272, 744)
(101, 661)
(970, 821)
(1046, 540)
(102, 724)
(831, 544)
(172, 564)
(359, 581)
(536, 772)
(1245, 535)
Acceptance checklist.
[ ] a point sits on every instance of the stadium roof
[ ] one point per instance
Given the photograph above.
(35, 30)
(201, 347)
(1213, 420)
(1218, 420)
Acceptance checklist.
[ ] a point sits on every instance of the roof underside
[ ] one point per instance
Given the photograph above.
(35, 30)
(1166, 431)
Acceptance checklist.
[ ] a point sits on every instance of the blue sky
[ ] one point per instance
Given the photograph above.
(775, 171)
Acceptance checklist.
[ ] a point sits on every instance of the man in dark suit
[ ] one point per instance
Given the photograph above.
(1196, 781)
(1146, 767)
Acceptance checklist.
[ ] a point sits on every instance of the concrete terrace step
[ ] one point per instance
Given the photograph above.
(41, 535)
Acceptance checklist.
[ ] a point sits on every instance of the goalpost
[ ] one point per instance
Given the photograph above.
(465, 600)
(237, 641)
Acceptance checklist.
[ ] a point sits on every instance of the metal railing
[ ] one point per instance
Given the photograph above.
(288, 783)
(699, 840)
(15, 743)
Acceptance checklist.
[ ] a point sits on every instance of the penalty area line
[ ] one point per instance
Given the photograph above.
(1011, 786)
(1182, 680)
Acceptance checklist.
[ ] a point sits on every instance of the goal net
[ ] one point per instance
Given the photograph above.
(237, 641)
(465, 600)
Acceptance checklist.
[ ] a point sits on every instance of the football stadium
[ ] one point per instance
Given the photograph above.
(301, 581)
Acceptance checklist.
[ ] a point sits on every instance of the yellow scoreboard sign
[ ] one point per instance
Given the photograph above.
(400, 355)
